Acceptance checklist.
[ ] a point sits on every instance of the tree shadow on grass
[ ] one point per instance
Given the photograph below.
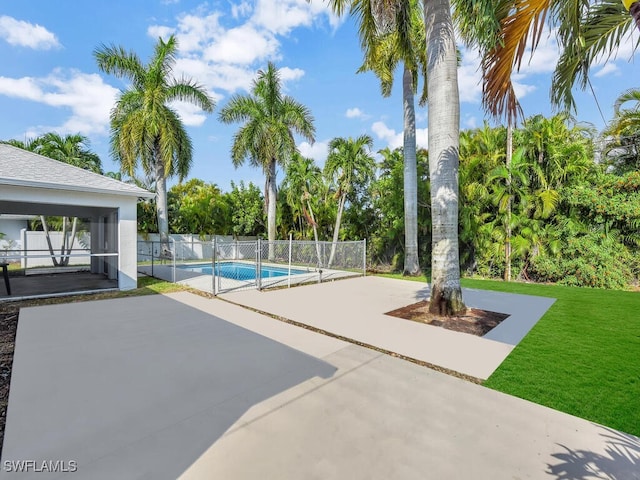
(621, 460)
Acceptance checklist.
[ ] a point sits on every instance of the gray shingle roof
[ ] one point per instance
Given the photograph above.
(24, 168)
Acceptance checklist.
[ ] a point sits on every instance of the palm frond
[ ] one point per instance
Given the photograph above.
(603, 27)
(190, 91)
(521, 26)
(115, 60)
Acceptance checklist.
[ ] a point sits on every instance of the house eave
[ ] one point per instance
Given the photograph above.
(140, 193)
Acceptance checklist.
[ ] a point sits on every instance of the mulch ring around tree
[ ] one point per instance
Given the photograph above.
(474, 321)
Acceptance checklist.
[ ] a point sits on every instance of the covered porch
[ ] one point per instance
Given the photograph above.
(103, 252)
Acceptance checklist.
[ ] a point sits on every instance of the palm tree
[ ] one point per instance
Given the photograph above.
(622, 135)
(444, 132)
(145, 130)
(481, 151)
(382, 55)
(302, 182)
(634, 8)
(28, 144)
(444, 137)
(349, 162)
(503, 29)
(72, 149)
(266, 138)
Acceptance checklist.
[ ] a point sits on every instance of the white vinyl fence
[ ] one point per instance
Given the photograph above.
(34, 251)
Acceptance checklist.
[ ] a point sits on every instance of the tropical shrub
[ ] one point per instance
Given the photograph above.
(592, 260)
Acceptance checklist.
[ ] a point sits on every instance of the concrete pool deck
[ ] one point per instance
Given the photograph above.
(180, 386)
(355, 309)
(205, 281)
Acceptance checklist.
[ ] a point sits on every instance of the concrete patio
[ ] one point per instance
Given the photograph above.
(356, 308)
(181, 386)
(56, 283)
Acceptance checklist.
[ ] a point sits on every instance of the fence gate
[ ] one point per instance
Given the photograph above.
(236, 265)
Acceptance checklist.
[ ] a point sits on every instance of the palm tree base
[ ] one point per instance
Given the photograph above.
(446, 300)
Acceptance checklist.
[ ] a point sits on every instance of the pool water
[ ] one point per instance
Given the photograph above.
(240, 271)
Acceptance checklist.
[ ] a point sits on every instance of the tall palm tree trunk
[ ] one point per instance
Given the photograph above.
(444, 131)
(45, 228)
(67, 240)
(507, 243)
(161, 207)
(336, 230)
(411, 262)
(271, 207)
(314, 225)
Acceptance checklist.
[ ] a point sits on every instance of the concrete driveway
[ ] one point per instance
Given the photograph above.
(181, 386)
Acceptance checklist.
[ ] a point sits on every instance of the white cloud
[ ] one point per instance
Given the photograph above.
(355, 113)
(387, 135)
(470, 77)
(242, 45)
(395, 140)
(545, 57)
(194, 31)
(242, 9)
(290, 74)
(318, 151)
(25, 87)
(24, 34)
(86, 95)
(608, 68)
(224, 77)
(543, 61)
(282, 16)
(191, 115)
(224, 53)
(157, 31)
(522, 89)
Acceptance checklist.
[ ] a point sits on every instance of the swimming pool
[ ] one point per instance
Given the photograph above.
(240, 271)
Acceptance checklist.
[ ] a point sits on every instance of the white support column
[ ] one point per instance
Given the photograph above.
(128, 255)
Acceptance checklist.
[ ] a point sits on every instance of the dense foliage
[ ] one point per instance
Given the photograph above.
(571, 220)
(202, 208)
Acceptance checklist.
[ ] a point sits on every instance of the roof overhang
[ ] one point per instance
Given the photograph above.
(76, 188)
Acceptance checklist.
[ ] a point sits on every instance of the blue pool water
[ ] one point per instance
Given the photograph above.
(240, 271)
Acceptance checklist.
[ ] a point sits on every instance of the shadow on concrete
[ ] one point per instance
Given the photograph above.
(56, 283)
(136, 387)
(621, 460)
(423, 294)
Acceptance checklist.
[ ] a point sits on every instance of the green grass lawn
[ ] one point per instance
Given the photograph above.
(582, 357)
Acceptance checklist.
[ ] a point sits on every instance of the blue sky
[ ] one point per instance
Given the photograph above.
(49, 80)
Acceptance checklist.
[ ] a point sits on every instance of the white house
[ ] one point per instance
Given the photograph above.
(11, 227)
(31, 184)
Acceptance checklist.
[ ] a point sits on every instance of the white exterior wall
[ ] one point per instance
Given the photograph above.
(46, 201)
(128, 233)
(11, 229)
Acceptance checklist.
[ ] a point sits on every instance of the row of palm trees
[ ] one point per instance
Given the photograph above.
(501, 30)
(146, 132)
(552, 192)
